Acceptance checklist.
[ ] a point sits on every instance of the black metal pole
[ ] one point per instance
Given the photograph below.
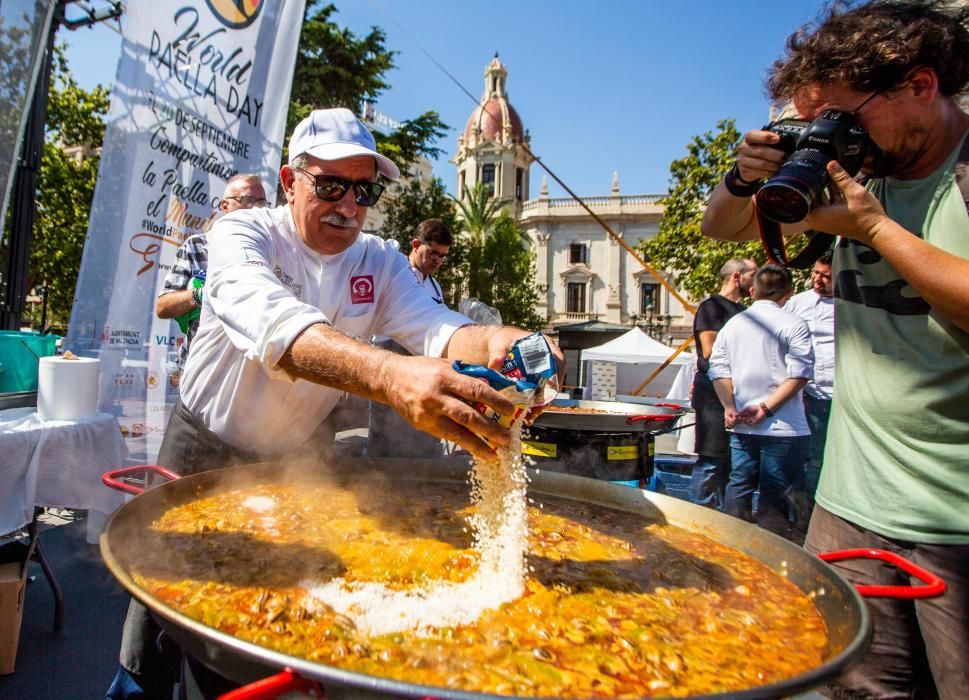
(23, 203)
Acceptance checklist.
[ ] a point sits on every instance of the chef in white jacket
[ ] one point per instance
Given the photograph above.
(292, 295)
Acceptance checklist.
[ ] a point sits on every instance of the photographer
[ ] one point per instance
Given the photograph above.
(896, 473)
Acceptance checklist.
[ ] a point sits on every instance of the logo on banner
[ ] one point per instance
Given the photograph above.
(361, 289)
(235, 14)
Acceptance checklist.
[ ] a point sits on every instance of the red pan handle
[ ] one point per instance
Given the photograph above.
(934, 586)
(649, 417)
(677, 406)
(114, 478)
(274, 686)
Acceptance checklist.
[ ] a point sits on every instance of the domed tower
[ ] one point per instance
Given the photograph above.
(491, 151)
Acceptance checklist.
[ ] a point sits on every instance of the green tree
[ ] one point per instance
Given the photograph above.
(679, 248)
(336, 68)
(479, 210)
(65, 189)
(501, 273)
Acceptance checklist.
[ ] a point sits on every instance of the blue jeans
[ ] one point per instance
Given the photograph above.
(707, 481)
(776, 464)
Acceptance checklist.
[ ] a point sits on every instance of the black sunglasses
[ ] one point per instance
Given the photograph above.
(332, 189)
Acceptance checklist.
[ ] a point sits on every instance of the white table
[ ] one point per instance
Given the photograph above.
(59, 464)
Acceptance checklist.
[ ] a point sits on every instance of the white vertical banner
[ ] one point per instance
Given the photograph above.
(201, 94)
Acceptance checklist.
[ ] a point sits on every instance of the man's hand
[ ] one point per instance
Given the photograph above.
(758, 157)
(433, 398)
(855, 212)
(730, 417)
(500, 343)
(503, 338)
(751, 415)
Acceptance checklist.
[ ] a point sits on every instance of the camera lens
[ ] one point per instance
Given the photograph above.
(790, 195)
(784, 202)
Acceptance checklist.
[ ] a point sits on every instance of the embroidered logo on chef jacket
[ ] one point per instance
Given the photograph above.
(286, 279)
(361, 289)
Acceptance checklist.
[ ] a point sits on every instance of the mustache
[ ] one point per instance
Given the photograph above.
(338, 220)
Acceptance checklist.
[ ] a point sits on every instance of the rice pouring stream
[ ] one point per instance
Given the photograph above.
(499, 525)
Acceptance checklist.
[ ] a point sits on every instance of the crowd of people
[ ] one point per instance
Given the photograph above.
(864, 447)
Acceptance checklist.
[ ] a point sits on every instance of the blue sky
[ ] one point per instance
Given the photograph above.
(602, 87)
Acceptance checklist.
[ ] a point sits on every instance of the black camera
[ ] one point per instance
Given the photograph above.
(797, 187)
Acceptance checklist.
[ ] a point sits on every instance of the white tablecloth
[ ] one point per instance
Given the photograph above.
(56, 463)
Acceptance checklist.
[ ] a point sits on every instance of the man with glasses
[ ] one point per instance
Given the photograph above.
(896, 461)
(179, 297)
(429, 249)
(293, 294)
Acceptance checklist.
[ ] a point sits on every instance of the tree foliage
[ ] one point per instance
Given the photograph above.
(336, 68)
(479, 210)
(501, 273)
(680, 248)
(65, 189)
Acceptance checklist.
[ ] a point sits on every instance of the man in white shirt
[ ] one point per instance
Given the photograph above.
(429, 249)
(293, 295)
(761, 360)
(816, 307)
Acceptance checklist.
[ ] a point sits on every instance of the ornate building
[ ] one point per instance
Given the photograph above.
(493, 150)
(583, 274)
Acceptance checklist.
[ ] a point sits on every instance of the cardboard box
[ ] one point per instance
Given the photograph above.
(13, 580)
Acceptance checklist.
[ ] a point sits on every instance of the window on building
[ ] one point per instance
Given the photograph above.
(648, 299)
(575, 298)
(578, 253)
(519, 184)
(461, 184)
(488, 178)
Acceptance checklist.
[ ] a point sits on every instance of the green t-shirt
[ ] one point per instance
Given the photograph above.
(897, 455)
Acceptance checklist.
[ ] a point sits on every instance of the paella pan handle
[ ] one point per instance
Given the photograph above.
(934, 586)
(677, 406)
(649, 417)
(275, 686)
(114, 478)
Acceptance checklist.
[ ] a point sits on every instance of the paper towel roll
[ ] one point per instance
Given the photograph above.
(67, 389)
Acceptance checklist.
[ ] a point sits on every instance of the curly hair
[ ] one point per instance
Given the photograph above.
(872, 47)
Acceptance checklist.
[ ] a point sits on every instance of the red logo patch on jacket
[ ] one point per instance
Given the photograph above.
(361, 289)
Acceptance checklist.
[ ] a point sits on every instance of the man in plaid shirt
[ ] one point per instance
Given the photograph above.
(177, 296)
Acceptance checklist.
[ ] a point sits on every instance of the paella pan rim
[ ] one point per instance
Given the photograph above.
(244, 662)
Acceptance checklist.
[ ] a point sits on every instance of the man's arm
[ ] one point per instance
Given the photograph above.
(176, 296)
(752, 415)
(724, 389)
(707, 339)
(174, 304)
(942, 279)
(426, 391)
(731, 218)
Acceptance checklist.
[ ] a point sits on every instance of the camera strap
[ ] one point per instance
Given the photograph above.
(773, 241)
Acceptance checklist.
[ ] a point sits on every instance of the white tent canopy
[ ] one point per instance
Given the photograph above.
(620, 366)
(635, 347)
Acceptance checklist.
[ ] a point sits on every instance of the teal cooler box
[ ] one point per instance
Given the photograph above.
(19, 353)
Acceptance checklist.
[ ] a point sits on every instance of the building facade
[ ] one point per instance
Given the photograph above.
(582, 272)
